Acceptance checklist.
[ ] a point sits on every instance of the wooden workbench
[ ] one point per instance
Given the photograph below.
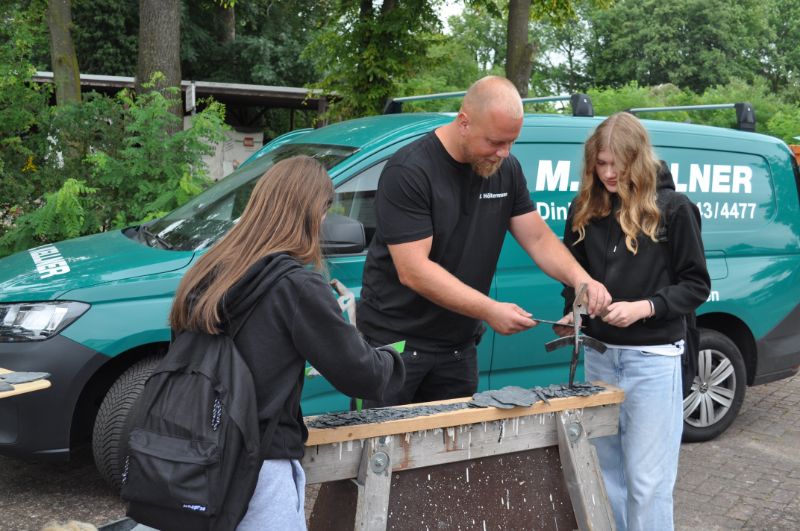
(28, 387)
(475, 468)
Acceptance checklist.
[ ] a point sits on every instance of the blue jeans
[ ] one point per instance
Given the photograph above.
(279, 500)
(640, 462)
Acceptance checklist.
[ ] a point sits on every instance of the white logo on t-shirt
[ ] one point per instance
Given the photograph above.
(489, 195)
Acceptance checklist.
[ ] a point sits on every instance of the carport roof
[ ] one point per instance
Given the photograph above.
(228, 93)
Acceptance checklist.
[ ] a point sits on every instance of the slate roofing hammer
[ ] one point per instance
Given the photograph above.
(579, 308)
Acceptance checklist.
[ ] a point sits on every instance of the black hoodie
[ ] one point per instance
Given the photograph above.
(648, 274)
(297, 319)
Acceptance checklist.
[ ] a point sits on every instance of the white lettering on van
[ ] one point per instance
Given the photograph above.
(713, 296)
(699, 179)
(554, 180)
(552, 211)
(716, 178)
(721, 178)
(742, 179)
(48, 261)
(674, 168)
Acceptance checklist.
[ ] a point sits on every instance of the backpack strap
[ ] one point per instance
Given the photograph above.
(272, 424)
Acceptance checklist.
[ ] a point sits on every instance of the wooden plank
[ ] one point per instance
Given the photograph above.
(340, 460)
(317, 436)
(28, 387)
(374, 484)
(582, 474)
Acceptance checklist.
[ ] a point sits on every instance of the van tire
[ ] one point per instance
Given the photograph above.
(112, 424)
(712, 404)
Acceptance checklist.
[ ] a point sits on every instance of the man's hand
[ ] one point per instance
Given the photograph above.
(507, 318)
(567, 328)
(597, 296)
(624, 314)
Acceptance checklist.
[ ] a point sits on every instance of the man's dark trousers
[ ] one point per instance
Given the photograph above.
(435, 376)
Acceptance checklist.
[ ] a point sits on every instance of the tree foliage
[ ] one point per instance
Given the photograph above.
(369, 48)
(86, 167)
(773, 115)
(270, 37)
(694, 44)
(122, 168)
(106, 36)
(20, 106)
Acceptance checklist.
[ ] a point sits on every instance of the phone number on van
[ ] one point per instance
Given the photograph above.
(727, 210)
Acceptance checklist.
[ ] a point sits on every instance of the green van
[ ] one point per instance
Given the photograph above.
(92, 311)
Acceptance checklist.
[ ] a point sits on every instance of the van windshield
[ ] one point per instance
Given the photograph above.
(205, 218)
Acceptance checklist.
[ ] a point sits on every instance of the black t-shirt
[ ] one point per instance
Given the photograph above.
(424, 192)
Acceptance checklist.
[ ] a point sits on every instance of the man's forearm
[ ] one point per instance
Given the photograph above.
(435, 283)
(554, 259)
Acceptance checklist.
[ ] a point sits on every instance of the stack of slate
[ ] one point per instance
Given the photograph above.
(513, 396)
(369, 416)
(9, 379)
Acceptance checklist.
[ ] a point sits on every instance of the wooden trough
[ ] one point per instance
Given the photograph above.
(475, 468)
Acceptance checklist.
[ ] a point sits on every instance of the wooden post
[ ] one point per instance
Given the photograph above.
(582, 474)
(374, 483)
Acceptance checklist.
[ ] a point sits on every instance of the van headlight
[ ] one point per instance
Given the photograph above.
(36, 321)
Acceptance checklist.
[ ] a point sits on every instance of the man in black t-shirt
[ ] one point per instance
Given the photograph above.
(444, 204)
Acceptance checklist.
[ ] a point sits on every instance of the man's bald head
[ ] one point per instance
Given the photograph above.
(492, 94)
(485, 128)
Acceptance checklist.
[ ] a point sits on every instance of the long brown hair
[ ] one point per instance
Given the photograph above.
(284, 214)
(624, 136)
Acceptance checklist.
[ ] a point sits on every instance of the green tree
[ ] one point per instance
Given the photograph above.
(522, 50)
(473, 48)
(561, 64)
(368, 48)
(122, 167)
(694, 44)
(780, 62)
(267, 47)
(106, 34)
(66, 74)
(160, 51)
(21, 104)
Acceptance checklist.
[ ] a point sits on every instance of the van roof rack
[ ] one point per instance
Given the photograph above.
(745, 114)
(581, 103)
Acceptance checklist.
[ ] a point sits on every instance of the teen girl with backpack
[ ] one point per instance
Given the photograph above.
(256, 274)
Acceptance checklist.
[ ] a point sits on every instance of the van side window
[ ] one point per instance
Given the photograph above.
(355, 198)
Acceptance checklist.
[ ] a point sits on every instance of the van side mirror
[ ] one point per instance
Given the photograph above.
(342, 235)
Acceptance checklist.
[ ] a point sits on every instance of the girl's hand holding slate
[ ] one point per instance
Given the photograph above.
(566, 326)
(623, 314)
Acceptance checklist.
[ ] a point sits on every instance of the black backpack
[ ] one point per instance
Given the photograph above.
(194, 453)
(668, 201)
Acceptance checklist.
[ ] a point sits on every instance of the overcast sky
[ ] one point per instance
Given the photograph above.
(448, 9)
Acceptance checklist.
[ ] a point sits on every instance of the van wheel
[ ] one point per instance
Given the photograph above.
(112, 425)
(718, 388)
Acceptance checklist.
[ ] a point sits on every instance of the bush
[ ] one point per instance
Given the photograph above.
(104, 164)
(774, 115)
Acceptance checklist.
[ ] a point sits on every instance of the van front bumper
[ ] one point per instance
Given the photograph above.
(37, 425)
(779, 350)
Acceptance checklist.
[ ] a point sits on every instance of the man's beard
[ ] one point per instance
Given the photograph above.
(486, 168)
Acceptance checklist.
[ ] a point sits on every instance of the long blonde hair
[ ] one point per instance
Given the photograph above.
(624, 136)
(284, 215)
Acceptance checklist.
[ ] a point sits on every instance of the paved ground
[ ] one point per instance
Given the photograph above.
(748, 478)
